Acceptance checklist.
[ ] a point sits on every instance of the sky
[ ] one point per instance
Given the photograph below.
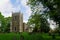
(9, 6)
(53, 25)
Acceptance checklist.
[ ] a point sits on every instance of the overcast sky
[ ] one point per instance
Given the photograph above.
(9, 6)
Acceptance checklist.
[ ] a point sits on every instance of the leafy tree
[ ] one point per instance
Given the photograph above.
(8, 20)
(34, 21)
(2, 20)
(39, 23)
(44, 25)
(5, 23)
(51, 8)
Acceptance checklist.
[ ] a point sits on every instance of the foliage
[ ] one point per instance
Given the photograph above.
(8, 21)
(37, 18)
(38, 22)
(5, 23)
(39, 36)
(27, 36)
(51, 8)
(34, 22)
(9, 36)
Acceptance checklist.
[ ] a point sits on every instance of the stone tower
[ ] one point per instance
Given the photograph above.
(17, 22)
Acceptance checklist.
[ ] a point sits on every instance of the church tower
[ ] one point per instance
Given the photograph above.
(17, 22)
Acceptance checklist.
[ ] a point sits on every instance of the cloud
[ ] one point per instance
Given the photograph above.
(52, 24)
(7, 7)
(28, 9)
(24, 2)
(25, 21)
(2, 2)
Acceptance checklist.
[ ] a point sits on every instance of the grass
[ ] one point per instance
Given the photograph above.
(27, 36)
(9, 36)
(40, 36)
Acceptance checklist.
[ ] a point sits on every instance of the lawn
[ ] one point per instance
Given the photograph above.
(9, 36)
(40, 36)
(27, 36)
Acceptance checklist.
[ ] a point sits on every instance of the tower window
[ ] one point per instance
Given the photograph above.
(15, 28)
(15, 18)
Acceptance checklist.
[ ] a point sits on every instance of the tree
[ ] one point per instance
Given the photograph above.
(39, 23)
(34, 21)
(2, 22)
(8, 20)
(44, 25)
(51, 8)
(5, 23)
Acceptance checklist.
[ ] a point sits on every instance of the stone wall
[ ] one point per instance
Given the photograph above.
(17, 22)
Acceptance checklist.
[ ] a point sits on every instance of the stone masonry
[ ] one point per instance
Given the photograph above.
(17, 22)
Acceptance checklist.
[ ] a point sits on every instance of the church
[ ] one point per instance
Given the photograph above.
(17, 24)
